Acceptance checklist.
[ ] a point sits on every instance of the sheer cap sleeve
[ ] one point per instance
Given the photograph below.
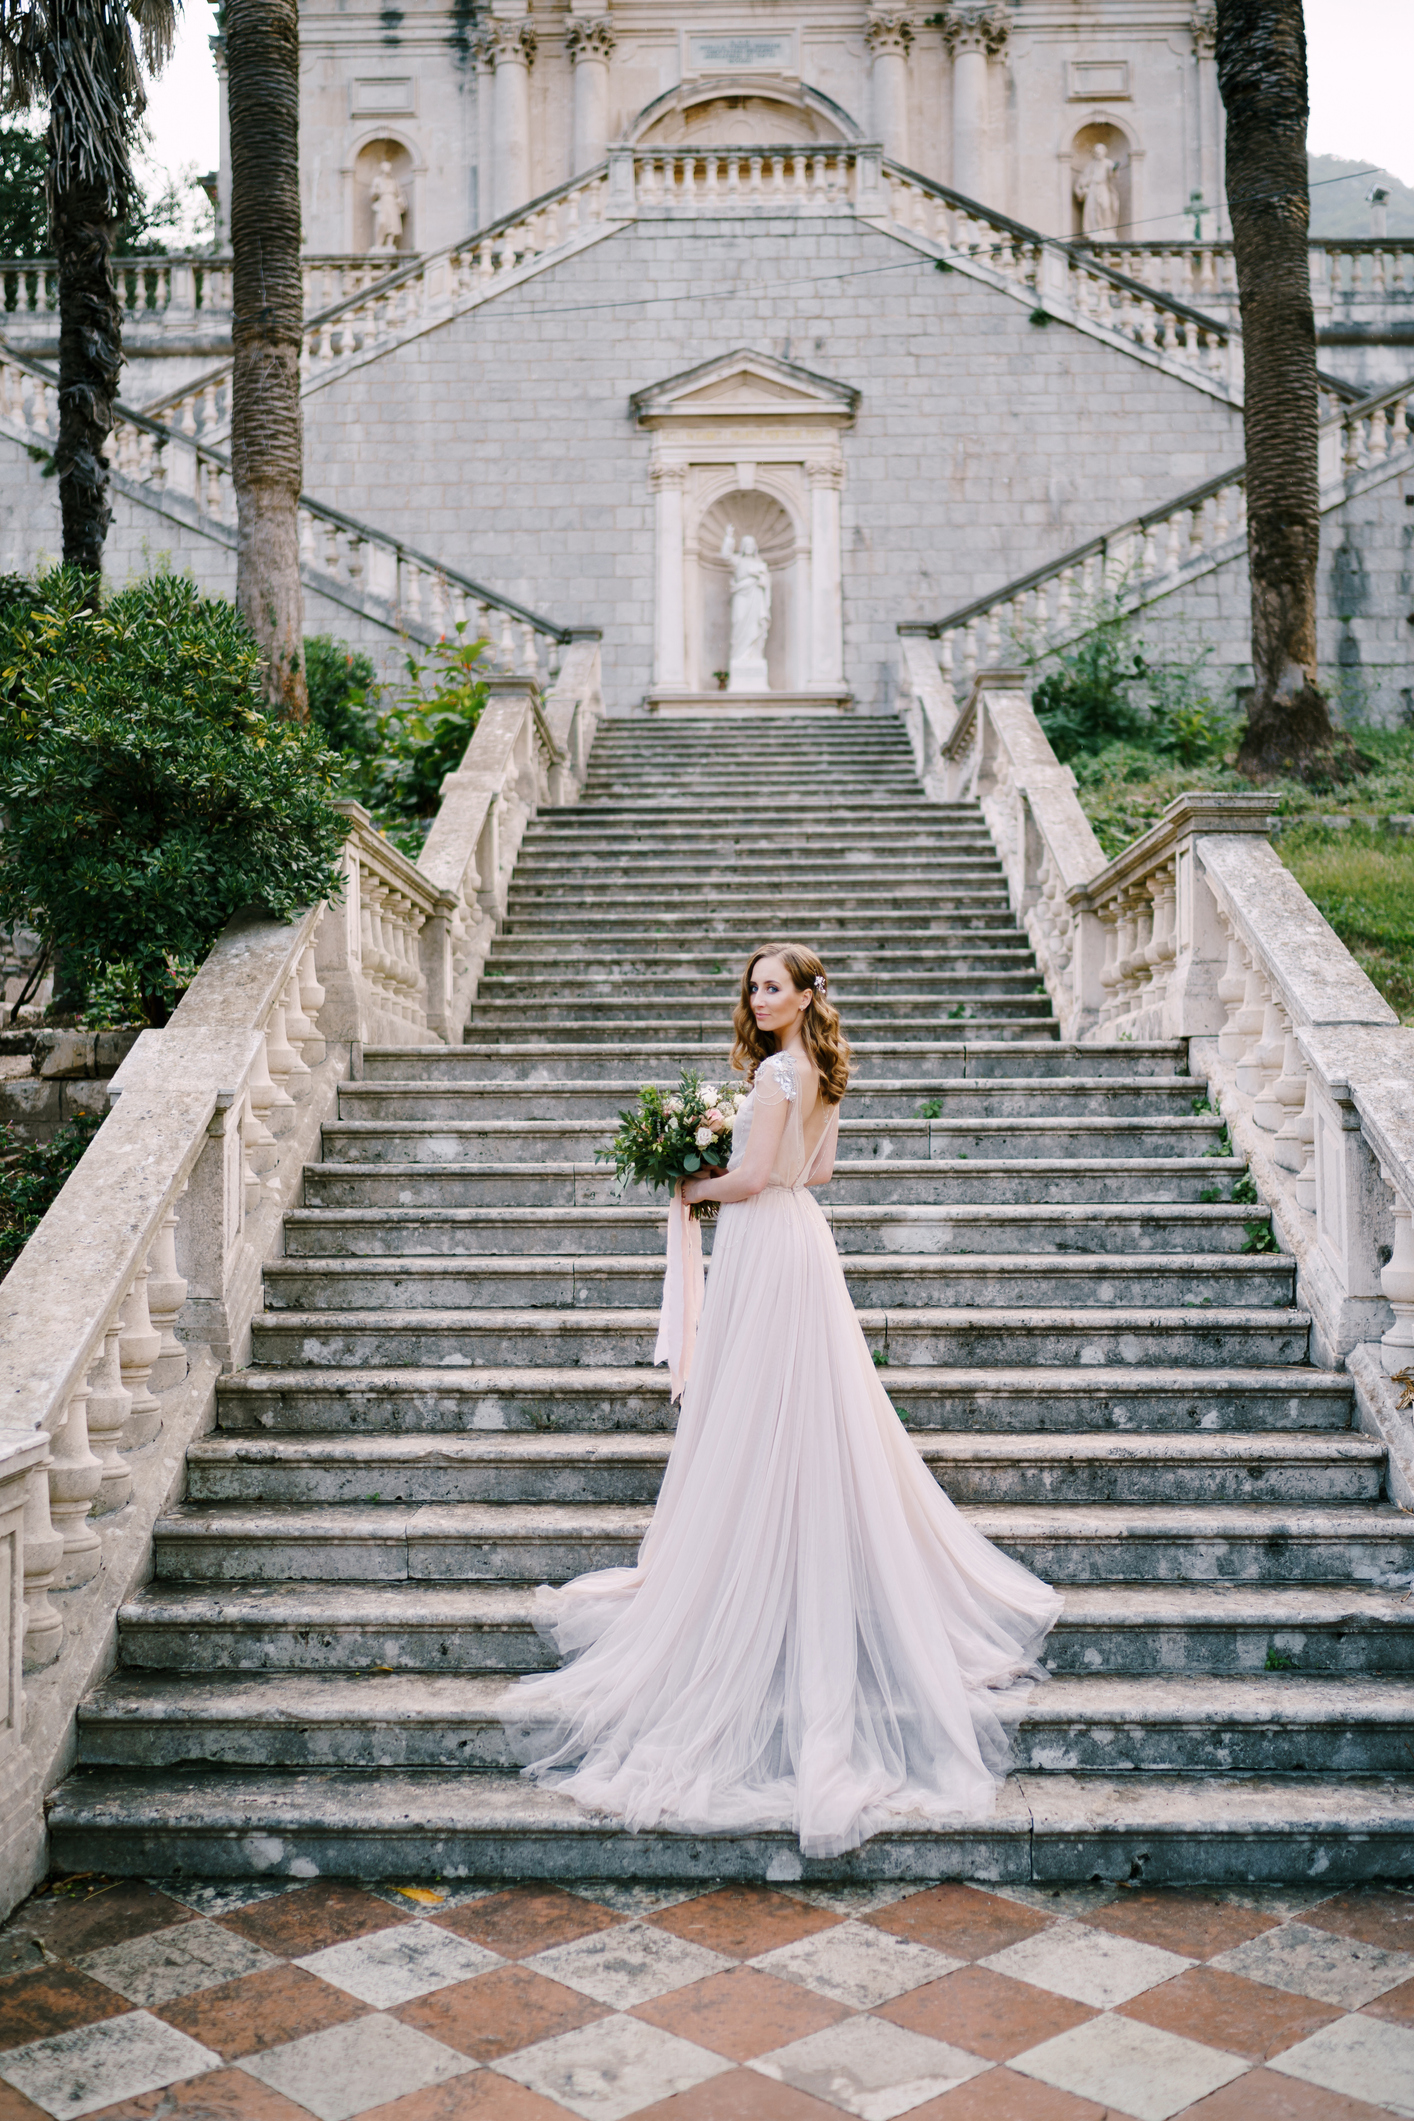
(776, 1081)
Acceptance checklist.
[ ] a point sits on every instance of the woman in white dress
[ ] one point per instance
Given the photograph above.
(812, 1634)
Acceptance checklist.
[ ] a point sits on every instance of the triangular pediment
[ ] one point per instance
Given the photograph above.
(746, 386)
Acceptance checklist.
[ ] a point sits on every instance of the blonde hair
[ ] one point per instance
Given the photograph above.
(825, 1041)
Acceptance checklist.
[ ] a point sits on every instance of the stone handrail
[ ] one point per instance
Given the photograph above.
(1368, 272)
(1151, 555)
(376, 576)
(1197, 931)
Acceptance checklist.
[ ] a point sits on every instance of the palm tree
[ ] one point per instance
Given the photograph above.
(77, 56)
(267, 434)
(1261, 54)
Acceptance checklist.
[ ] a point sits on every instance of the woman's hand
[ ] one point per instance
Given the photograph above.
(697, 1188)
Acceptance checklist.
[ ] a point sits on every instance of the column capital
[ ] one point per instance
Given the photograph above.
(1204, 25)
(825, 471)
(976, 28)
(590, 39)
(660, 475)
(507, 43)
(889, 29)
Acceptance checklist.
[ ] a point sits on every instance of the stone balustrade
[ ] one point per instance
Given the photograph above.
(1369, 277)
(1151, 555)
(1198, 932)
(176, 291)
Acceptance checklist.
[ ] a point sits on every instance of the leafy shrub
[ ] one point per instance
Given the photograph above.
(1085, 701)
(343, 687)
(31, 1177)
(397, 745)
(146, 794)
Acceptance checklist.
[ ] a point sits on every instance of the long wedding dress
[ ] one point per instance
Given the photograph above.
(812, 1633)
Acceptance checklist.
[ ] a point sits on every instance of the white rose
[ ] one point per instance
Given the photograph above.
(709, 1093)
(673, 1104)
(704, 1137)
(728, 1122)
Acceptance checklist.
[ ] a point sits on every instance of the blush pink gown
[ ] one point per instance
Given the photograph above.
(812, 1634)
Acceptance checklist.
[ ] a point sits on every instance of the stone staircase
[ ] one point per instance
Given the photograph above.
(452, 1397)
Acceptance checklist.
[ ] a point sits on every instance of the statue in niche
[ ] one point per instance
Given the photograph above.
(1098, 193)
(389, 206)
(751, 614)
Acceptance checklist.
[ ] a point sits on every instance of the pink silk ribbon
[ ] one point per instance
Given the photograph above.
(684, 1280)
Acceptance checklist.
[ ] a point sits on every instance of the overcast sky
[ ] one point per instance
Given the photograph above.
(1361, 55)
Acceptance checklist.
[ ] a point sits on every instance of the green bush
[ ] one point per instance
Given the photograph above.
(1101, 691)
(397, 745)
(31, 1176)
(343, 687)
(146, 794)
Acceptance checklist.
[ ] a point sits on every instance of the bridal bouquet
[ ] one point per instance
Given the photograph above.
(671, 1136)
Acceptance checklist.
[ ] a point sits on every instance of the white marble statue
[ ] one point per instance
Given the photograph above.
(389, 206)
(1098, 193)
(751, 614)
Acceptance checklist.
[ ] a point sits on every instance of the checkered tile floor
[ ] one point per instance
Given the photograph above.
(744, 2003)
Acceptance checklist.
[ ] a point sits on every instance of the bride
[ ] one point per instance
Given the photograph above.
(812, 1632)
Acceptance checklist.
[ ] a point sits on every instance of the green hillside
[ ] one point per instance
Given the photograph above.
(1338, 208)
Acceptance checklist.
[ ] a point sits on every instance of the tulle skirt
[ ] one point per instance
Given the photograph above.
(812, 1637)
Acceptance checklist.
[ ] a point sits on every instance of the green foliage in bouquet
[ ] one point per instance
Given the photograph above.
(670, 1136)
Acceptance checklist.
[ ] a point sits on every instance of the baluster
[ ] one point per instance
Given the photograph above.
(1399, 429)
(308, 555)
(1305, 1131)
(75, 1476)
(1231, 990)
(166, 1293)
(1146, 552)
(754, 187)
(43, 1557)
(331, 549)
(529, 652)
(439, 605)
(1289, 1090)
(311, 1001)
(138, 1349)
(356, 546)
(1397, 1281)
(1067, 581)
(1196, 513)
(969, 651)
(260, 1153)
(506, 647)
(778, 176)
(1220, 515)
(286, 1068)
(1379, 434)
(109, 1406)
(1270, 1050)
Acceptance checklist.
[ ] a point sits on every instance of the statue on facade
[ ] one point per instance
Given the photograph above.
(751, 614)
(389, 206)
(1098, 193)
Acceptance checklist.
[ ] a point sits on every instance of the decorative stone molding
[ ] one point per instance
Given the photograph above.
(508, 43)
(1204, 26)
(973, 29)
(825, 471)
(889, 29)
(660, 475)
(590, 40)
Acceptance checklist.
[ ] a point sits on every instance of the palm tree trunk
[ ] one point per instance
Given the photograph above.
(1261, 53)
(267, 438)
(90, 356)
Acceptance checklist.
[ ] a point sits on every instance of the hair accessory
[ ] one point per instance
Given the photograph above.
(819, 983)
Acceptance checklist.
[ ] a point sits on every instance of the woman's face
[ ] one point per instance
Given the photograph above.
(776, 1002)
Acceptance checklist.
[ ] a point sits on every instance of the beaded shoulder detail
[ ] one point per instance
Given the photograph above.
(781, 1071)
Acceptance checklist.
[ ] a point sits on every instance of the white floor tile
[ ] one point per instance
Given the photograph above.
(97, 2065)
(1365, 2058)
(347, 2069)
(606, 2071)
(175, 1962)
(392, 1966)
(1131, 2068)
(1090, 1966)
(870, 2067)
(1306, 1961)
(622, 1967)
(856, 1965)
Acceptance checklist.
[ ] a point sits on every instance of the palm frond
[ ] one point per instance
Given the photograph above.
(157, 25)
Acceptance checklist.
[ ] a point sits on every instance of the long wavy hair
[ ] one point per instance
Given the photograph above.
(825, 1041)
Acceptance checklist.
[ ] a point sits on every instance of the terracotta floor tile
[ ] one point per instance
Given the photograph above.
(221, 2095)
(14, 2106)
(1226, 2011)
(52, 1999)
(985, 2013)
(328, 1912)
(740, 2095)
(1371, 1914)
(1264, 2096)
(480, 2096)
(526, 1919)
(1197, 1924)
(1003, 2096)
(742, 2013)
(742, 1920)
(497, 2012)
(960, 1920)
(84, 1915)
(260, 2010)
(1397, 2004)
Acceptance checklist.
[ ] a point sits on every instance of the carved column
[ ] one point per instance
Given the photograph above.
(1209, 116)
(826, 477)
(511, 47)
(888, 34)
(669, 656)
(973, 35)
(590, 44)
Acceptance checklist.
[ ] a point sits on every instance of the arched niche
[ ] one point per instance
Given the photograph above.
(733, 113)
(1119, 146)
(761, 514)
(366, 163)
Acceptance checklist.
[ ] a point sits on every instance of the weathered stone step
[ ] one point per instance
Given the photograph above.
(861, 1182)
(403, 1233)
(550, 930)
(596, 1024)
(411, 1401)
(1276, 1724)
(807, 873)
(990, 968)
(628, 1468)
(744, 903)
(1124, 1630)
(998, 1138)
(1093, 1097)
(550, 1543)
(857, 970)
(955, 1281)
(1052, 1829)
(657, 1057)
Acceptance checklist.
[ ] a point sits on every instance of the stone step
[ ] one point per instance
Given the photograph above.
(997, 1138)
(595, 1024)
(550, 1543)
(655, 1056)
(1052, 1829)
(860, 1182)
(404, 1233)
(743, 903)
(812, 873)
(989, 970)
(411, 1401)
(1274, 1724)
(847, 836)
(573, 1469)
(569, 926)
(959, 1281)
(855, 971)
(1092, 1097)
(1123, 1630)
